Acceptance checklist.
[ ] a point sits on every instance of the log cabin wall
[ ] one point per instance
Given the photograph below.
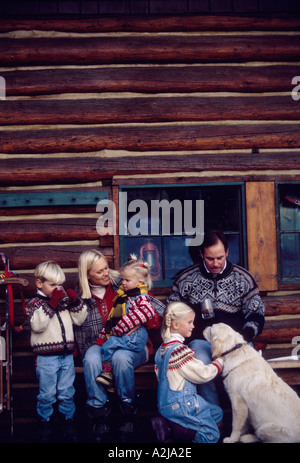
(98, 101)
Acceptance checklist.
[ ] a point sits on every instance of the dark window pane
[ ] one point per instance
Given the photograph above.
(290, 207)
(177, 255)
(168, 217)
(290, 255)
(234, 249)
(289, 232)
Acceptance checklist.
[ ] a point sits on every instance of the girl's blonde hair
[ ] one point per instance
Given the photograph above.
(50, 271)
(173, 311)
(140, 267)
(85, 262)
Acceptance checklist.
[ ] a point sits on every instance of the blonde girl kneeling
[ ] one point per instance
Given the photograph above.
(178, 372)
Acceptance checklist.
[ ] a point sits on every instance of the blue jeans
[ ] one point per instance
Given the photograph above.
(185, 407)
(56, 375)
(203, 352)
(136, 341)
(123, 363)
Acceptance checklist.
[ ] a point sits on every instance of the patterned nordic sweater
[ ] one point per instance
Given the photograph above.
(52, 330)
(234, 293)
(183, 365)
(130, 310)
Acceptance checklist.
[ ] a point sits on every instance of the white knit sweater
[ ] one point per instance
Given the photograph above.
(52, 331)
(183, 365)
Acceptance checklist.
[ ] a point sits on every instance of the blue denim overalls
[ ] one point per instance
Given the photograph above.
(136, 341)
(186, 407)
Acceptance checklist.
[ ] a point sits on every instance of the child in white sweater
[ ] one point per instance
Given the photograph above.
(178, 372)
(51, 315)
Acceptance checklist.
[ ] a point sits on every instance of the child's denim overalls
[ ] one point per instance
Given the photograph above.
(186, 407)
(136, 341)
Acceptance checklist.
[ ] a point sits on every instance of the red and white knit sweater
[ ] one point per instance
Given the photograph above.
(136, 310)
(52, 330)
(183, 365)
(140, 311)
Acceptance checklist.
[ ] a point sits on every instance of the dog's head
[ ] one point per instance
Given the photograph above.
(222, 338)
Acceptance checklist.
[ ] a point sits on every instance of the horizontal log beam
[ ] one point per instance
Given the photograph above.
(28, 257)
(76, 170)
(148, 49)
(148, 79)
(30, 231)
(282, 305)
(289, 375)
(164, 137)
(157, 23)
(159, 109)
(279, 331)
(207, 177)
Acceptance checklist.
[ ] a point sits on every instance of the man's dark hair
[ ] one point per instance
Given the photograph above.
(213, 237)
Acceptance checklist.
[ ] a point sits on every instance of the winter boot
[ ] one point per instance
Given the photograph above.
(127, 427)
(69, 430)
(162, 429)
(44, 431)
(100, 423)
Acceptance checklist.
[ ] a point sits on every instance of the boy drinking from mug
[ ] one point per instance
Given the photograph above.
(51, 316)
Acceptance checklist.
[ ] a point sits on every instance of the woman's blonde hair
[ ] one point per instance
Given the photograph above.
(173, 311)
(85, 262)
(50, 271)
(140, 267)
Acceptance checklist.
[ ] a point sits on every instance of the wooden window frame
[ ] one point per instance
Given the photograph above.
(119, 240)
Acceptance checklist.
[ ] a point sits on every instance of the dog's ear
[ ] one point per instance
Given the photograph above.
(216, 347)
(207, 333)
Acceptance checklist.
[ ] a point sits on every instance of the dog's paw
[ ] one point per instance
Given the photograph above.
(229, 440)
(249, 438)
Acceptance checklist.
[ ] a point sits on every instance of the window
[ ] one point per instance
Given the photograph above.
(163, 239)
(288, 231)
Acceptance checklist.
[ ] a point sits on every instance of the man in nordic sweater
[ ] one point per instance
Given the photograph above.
(233, 291)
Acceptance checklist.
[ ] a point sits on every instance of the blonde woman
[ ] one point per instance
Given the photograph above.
(179, 371)
(98, 286)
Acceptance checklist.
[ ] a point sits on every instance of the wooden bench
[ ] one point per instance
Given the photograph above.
(145, 377)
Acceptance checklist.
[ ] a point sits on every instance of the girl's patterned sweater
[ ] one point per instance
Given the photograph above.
(130, 310)
(183, 365)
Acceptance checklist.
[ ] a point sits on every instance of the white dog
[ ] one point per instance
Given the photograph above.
(255, 391)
